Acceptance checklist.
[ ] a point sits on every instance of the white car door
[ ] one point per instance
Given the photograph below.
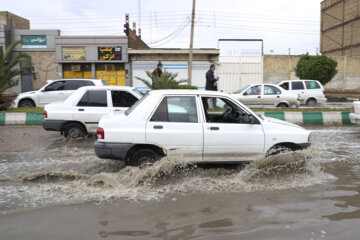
(252, 96)
(91, 107)
(175, 126)
(52, 93)
(271, 96)
(298, 88)
(230, 139)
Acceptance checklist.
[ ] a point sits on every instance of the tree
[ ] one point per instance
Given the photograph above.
(8, 71)
(320, 68)
(165, 81)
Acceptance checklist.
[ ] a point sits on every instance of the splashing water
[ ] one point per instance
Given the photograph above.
(78, 176)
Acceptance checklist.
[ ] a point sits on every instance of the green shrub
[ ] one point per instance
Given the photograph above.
(320, 68)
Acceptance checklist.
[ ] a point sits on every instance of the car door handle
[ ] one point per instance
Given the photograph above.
(259, 96)
(158, 127)
(81, 109)
(277, 96)
(214, 128)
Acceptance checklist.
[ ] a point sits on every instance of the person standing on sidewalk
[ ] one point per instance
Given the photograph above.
(211, 79)
(158, 70)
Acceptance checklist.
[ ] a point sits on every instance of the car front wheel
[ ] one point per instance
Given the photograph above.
(144, 157)
(74, 131)
(26, 103)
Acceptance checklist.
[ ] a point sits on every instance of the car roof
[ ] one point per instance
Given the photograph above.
(106, 87)
(187, 92)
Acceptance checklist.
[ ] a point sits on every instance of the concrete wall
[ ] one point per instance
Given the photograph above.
(280, 67)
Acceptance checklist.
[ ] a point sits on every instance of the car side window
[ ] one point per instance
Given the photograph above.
(222, 110)
(285, 85)
(122, 99)
(298, 85)
(87, 83)
(176, 109)
(96, 98)
(271, 90)
(255, 90)
(312, 85)
(73, 84)
(56, 86)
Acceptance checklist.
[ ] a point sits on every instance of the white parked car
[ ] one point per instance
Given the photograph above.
(54, 91)
(180, 122)
(355, 113)
(266, 95)
(310, 92)
(79, 114)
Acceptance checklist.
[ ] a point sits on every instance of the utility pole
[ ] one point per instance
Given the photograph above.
(191, 43)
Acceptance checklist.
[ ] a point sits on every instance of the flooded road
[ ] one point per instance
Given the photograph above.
(56, 189)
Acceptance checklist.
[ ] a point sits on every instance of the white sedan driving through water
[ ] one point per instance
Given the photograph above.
(201, 126)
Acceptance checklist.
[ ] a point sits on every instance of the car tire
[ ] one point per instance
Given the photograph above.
(311, 102)
(278, 149)
(74, 130)
(144, 157)
(282, 105)
(26, 103)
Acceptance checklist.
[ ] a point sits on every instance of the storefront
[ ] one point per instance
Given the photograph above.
(93, 57)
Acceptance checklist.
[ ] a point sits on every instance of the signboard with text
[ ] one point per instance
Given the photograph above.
(73, 53)
(109, 53)
(33, 41)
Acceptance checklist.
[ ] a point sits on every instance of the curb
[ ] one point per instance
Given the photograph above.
(313, 118)
(300, 118)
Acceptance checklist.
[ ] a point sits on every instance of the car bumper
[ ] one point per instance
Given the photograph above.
(354, 118)
(116, 151)
(321, 100)
(52, 125)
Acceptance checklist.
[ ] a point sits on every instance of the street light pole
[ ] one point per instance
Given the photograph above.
(191, 43)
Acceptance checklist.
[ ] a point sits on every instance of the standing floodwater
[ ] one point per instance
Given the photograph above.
(314, 197)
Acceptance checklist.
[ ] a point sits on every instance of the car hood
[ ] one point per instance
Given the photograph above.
(27, 93)
(278, 121)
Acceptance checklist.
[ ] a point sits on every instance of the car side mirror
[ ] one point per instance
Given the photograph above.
(251, 119)
(245, 93)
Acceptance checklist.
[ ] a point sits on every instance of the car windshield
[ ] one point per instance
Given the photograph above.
(138, 92)
(242, 89)
(127, 112)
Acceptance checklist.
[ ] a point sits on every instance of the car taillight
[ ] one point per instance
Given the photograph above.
(100, 133)
(352, 109)
(298, 97)
(45, 114)
(324, 92)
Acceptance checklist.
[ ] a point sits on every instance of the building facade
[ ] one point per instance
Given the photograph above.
(103, 57)
(340, 28)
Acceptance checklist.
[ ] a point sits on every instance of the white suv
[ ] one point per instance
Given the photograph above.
(79, 114)
(310, 92)
(180, 122)
(54, 91)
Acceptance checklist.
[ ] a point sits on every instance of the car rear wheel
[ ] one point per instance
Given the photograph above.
(74, 130)
(26, 103)
(144, 157)
(282, 105)
(311, 102)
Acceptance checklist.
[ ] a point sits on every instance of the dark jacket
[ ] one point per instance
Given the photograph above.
(210, 81)
(157, 71)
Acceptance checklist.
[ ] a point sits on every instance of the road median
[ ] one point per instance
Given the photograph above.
(306, 118)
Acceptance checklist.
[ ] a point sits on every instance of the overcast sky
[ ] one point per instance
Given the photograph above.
(282, 24)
